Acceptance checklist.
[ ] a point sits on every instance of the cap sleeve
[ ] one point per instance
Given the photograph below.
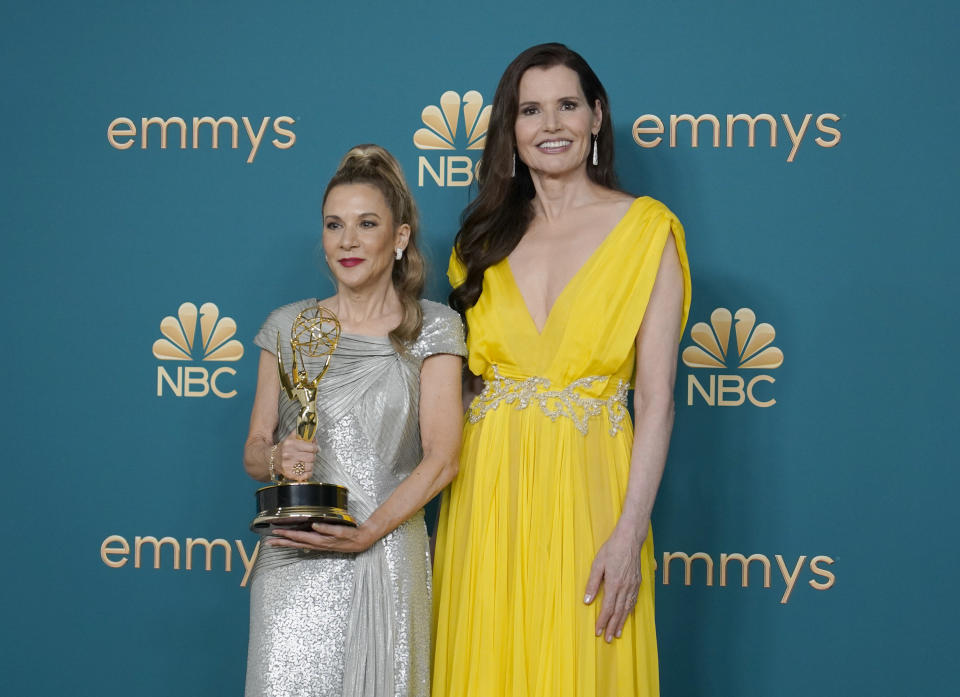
(670, 225)
(442, 332)
(651, 224)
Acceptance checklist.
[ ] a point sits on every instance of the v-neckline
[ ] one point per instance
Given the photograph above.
(587, 262)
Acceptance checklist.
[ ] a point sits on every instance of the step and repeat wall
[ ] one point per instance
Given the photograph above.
(163, 166)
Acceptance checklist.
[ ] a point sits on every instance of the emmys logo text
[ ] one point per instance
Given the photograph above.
(648, 130)
(179, 343)
(146, 550)
(819, 577)
(443, 131)
(713, 350)
(204, 131)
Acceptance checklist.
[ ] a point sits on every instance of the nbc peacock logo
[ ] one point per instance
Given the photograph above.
(179, 343)
(443, 130)
(712, 350)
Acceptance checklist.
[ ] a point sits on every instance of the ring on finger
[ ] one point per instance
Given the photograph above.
(299, 469)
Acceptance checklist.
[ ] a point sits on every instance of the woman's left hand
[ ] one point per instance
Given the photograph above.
(617, 566)
(325, 538)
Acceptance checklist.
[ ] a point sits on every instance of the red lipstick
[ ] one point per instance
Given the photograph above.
(350, 261)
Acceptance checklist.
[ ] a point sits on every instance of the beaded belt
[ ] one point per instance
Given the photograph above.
(554, 403)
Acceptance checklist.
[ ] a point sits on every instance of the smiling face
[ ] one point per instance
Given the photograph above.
(360, 237)
(555, 124)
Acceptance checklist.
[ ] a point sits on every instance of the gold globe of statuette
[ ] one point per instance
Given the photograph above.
(315, 332)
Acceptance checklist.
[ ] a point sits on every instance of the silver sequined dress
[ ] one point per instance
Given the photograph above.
(352, 625)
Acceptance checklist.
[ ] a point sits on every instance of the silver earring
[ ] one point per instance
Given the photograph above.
(596, 137)
(513, 172)
(399, 254)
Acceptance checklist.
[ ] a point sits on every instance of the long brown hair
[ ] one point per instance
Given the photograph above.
(493, 223)
(374, 165)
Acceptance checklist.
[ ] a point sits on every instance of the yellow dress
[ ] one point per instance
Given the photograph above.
(543, 474)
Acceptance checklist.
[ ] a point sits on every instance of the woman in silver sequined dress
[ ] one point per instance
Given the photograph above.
(345, 611)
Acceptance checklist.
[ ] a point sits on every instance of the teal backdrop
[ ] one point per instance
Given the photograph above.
(827, 464)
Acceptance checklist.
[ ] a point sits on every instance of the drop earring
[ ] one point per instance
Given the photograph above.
(596, 137)
(513, 172)
(399, 254)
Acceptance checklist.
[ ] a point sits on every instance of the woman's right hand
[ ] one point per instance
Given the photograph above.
(294, 458)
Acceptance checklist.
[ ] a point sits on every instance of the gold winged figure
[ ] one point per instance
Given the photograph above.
(315, 334)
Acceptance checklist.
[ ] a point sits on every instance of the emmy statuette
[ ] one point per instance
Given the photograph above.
(294, 505)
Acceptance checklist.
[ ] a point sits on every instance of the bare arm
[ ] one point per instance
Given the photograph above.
(617, 563)
(440, 427)
(263, 422)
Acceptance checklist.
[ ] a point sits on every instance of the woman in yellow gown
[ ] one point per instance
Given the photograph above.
(544, 568)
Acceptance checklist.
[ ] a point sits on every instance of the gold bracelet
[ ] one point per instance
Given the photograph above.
(273, 462)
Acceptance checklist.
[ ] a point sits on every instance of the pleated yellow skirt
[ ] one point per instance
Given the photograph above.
(519, 529)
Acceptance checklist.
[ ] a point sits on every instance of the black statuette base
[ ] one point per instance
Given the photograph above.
(298, 505)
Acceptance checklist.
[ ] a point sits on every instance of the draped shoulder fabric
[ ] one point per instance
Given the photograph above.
(543, 474)
(336, 625)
